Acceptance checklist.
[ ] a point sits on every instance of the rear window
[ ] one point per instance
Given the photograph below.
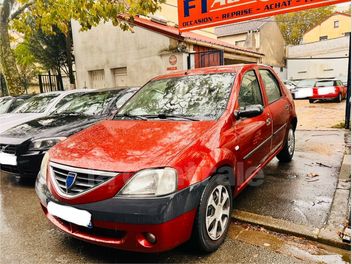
(306, 83)
(37, 104)
(325, 83)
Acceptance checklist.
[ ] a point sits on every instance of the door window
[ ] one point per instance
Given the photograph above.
(272, 87)
(250, 93)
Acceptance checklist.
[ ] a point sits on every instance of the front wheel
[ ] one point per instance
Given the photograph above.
(214, 214)
(286, 154)
(339, 98)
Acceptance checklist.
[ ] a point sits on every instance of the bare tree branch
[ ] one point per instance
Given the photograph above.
(20, 10)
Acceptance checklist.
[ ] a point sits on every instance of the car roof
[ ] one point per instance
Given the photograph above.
(207, 70)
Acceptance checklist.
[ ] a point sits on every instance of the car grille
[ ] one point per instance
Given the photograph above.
(85, 179)
(10, 149)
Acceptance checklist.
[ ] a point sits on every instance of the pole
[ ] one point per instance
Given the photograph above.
(348, 97)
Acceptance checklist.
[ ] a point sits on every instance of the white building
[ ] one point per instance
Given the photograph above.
(323, 59)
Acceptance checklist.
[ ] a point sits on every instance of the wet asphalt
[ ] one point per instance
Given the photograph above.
(300, 192)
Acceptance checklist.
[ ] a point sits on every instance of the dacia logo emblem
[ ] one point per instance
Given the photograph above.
(70, 180)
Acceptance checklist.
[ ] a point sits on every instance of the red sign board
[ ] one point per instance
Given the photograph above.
(197, 14)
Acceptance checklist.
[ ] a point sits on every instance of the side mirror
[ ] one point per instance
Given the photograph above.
(249, 111)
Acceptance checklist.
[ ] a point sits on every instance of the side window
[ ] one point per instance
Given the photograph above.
(250, 93)
(272, 87)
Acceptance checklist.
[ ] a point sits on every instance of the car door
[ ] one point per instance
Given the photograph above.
(278, 105)
(253, 134)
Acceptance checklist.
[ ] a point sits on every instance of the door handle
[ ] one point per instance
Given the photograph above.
(268, 121)
(287, 107)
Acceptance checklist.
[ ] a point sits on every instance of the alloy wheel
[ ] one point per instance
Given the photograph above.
(217, 212)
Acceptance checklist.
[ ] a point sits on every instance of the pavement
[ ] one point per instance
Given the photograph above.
(26, 236)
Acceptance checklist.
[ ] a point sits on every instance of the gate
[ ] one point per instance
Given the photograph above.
(206, 59)
(50, 82)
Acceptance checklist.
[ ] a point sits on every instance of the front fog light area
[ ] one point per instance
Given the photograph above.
(152, 182)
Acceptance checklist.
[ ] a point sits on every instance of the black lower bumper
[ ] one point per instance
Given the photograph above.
(28, 165)
(136, 210)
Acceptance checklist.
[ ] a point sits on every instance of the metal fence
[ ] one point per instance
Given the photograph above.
(50, 82)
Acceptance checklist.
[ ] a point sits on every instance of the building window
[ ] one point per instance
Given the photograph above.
(119, 76)
(240, 43)
(336, 24)
(97, 79)
(323, 38)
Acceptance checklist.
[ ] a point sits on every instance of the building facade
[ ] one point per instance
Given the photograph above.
(109, 57)
(262, 35)
(336, 26)
(319, 60)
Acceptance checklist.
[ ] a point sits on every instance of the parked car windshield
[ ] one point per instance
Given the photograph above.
(93, 103)
(5, 103)
(306, 83)
(202, 96)
(37, 104)
(324, 83)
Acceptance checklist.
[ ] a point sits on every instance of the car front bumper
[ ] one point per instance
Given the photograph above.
(124, 223)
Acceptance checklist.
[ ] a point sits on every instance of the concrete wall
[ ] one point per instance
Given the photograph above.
(144, 54)
(268, 40)
(327, 28)
(324, 59)
(272, 44)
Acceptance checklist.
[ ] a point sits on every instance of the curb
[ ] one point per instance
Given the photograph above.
(329, 234)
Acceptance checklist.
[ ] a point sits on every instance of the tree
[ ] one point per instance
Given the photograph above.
(294, 25)
(49, 15)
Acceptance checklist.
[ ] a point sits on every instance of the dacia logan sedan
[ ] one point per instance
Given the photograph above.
(167, 168)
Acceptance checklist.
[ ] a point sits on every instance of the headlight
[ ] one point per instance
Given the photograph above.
(151, 182)
(44, 169)
(45, 143)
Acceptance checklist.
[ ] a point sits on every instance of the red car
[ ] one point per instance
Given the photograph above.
(167, 168)
(328, 90)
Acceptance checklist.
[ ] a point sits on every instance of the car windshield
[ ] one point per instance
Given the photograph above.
(5, 103)
(203, 96)
(37, 104)
(324, 83)
(93, 103)
(306, 83)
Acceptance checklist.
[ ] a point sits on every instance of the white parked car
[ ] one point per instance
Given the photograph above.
(38, 106)
(304, 89)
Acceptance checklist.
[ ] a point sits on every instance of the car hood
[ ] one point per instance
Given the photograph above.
(128, 145)
(10, 120)
(50, 126)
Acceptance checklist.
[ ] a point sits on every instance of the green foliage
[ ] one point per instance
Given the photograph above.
(51, 14)
(25, 64)
(294, 25)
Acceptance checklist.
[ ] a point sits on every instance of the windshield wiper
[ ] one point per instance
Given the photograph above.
(167, 116)
(131, 116)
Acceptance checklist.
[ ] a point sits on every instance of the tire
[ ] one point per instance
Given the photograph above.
(207, 237)
(286, 154)
(339, 98)
(311, 101)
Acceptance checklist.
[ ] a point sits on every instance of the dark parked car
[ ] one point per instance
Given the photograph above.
(9, 103)
(171, 161)
(23, 147)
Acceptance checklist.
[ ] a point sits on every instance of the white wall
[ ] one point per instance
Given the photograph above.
(323, 59)
(144, 53)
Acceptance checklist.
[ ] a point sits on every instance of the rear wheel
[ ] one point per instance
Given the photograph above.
(214, 214)
(339, 98)
(311, 101)
(286, 154)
